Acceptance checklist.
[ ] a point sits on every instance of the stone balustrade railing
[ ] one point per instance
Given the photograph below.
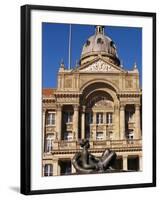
(95, 144)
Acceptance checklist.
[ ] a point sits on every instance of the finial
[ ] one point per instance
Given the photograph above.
(135, 65)
(121, 65)
(62, 63)
(99, 29)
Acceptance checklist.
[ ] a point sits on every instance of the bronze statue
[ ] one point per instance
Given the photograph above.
(85, 162)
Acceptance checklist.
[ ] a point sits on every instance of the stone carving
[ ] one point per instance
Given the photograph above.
(50, 129)
(99, 66)
(100, 101)
(85, 162)
(68, 83)
(129, 84)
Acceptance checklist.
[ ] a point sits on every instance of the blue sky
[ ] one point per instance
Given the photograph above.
(55, 37)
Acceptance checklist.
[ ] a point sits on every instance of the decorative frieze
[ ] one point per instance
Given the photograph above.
(99, 66)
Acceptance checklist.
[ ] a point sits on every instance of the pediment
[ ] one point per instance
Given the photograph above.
(100, 66)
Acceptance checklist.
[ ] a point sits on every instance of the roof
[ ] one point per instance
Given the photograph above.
(48, 92)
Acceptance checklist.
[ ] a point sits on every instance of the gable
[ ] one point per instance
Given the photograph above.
(100, 66)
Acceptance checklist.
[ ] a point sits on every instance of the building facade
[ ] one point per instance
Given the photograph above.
(98, 100)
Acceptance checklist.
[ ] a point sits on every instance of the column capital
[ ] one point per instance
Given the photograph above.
(122, 106)
(124, 156)
(59, 107)
(137, 106)
(44, 110)
(76, 107)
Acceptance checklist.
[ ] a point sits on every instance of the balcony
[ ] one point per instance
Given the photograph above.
(65, 145)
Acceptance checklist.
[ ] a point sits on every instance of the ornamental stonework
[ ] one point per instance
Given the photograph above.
(99, 66)
(68, 83)
(129, 84)
(50, 129)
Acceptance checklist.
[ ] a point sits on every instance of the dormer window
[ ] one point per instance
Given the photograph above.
(87, 43)
(99, 41)
(112, 44)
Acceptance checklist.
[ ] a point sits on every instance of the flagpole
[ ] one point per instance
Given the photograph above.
(69, 50)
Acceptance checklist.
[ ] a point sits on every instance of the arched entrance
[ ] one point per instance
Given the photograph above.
(99, 116)
(99, 100)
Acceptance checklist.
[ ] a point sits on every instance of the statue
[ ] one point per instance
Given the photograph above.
(85, 162)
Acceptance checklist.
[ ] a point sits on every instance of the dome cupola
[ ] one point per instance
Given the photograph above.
(99, 44)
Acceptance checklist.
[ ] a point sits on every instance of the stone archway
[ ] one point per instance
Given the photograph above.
(100, 110)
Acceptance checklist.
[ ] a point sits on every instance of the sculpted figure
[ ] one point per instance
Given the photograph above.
(85, 162)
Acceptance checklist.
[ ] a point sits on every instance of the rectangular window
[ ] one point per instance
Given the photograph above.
(99, 118)
(68, 117)
(99, 135)
(51, 118)
(109, 118)
(48, 170)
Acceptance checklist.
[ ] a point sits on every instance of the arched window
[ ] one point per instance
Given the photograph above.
(49, 142)
(48, 170)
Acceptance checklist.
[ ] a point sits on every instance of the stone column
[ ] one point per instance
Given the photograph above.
(83, 123)
(59, 121)
(58, 168)
(43, 129)
(75, 121)
(116, 121)
(94, 126)
(137, 134)
(125, 162)
(55, 168)
(122, 122)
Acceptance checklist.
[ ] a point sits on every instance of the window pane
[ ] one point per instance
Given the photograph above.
(109, 118)
(99, 118)
(51, 118)
(48, 170)
(49, 142)
(68, 117)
